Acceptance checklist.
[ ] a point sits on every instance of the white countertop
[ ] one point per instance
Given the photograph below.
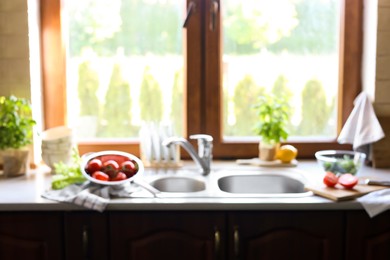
(24, 194)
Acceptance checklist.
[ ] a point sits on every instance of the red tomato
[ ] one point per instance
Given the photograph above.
(348, 180)
(120, 176)
(129, 168)
(94, 165)
(330, 179)
(99, 175)
(110, 168)
(115, 157)
(110, 165)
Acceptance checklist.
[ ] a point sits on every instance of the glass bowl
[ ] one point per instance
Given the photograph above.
(339, 161)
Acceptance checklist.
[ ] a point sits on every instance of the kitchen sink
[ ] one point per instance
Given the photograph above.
(228, 184)
(264, 183)
(178, 184)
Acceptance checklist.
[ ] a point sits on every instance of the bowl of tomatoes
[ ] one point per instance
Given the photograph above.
(111, 167)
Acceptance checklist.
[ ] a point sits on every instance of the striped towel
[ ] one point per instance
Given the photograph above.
(90, 195)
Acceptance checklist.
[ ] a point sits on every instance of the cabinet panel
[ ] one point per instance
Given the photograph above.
(86, 235)
(367, 238)
(286, 235)
(167, 235)
(31, 235)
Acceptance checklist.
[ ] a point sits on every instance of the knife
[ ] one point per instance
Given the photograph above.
(374, 182)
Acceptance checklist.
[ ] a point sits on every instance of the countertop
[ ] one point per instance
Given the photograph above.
(24, 194)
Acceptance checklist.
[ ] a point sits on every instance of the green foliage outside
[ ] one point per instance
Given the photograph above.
(177, 105)
(107, 27)
(117, 107)
(245, 95)
(131, 24)
(227, 129)
(315, 109)
(88, 86)
(316, 31)
(151, 100)
(281, 89)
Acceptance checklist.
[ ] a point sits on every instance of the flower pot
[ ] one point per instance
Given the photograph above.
(15, 162)
(267, 151)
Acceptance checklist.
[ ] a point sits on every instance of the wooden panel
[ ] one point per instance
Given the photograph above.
(86, 236)
(166, 235)
(381, 149)
(53, 64)
(367, 238)
(31, 235)
(286, 235)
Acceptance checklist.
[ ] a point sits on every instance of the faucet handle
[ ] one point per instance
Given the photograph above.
(205, 145)
(202, 137)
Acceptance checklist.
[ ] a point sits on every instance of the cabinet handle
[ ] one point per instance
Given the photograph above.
(217, 241)
(236, 237)
(85, 239)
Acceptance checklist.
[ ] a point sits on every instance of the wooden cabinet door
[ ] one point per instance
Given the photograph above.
(167, 235)
(86, 236)
(31, 235)
(368, 238)
(283, 235)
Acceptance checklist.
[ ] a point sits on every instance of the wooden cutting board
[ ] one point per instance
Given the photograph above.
(338, 193)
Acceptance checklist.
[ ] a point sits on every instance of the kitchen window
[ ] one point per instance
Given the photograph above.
(202, 78)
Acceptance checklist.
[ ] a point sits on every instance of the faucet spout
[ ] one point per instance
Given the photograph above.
(203, 158)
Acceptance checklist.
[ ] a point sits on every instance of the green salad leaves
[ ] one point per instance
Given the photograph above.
(67, 174)
(345, 165)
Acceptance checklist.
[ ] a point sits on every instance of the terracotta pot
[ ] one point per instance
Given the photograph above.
(15, 162)
(267, 151)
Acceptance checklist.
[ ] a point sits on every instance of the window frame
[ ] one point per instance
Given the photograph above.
(203, 100)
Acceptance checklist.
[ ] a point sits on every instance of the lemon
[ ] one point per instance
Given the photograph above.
(287, 153)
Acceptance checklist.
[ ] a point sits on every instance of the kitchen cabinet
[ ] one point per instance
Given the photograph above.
(31, 235)
(368, 238)
(134, 235)
(285, 235)
(229, 235)
(86, 235)
(167, 235)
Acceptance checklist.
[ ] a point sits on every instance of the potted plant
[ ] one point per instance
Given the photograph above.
(273, 115)
(16, 132)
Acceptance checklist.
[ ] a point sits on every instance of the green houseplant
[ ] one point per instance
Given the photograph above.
(16, 132)
(273, 117)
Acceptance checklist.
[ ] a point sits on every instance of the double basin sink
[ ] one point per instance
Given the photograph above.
(230, 183)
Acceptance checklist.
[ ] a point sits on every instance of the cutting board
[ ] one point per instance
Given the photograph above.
(338, 193)
(258, 162)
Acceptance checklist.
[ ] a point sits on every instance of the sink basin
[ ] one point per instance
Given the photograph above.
(260, 184)
(178, 184)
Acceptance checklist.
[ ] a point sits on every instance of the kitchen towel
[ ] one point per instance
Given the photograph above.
(376, 202)
(362, 127)
(90, 195)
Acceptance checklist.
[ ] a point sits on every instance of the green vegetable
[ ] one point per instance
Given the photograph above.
(16, 122)
(345, 165)
(273, 117)
(67, 174)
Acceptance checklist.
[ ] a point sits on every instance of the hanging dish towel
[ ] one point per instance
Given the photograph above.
(376, 202)
(90, 195)
(362, 127)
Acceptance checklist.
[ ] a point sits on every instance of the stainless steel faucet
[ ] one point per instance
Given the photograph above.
(205, 149)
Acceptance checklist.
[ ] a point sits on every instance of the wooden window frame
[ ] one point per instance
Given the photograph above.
(203, 80)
